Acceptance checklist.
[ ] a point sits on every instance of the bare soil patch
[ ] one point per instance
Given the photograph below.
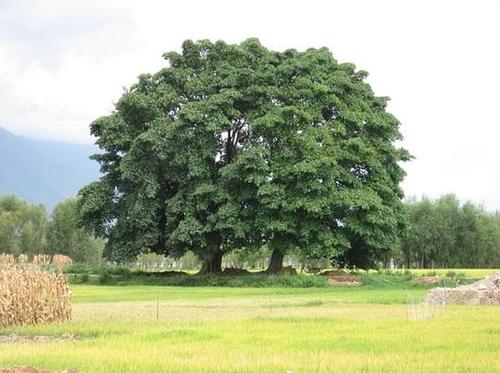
(18, 338)
(344, 280)
(426, 280)
(33, 370)
(339, 277)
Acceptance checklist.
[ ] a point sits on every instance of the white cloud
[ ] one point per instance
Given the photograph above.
(62, 64)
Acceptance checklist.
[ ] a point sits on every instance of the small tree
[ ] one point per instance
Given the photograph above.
(22, 226)
(65, 236)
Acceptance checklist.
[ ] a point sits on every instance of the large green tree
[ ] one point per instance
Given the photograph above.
(236, 146)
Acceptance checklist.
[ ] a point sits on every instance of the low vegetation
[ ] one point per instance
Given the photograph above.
(121, 275)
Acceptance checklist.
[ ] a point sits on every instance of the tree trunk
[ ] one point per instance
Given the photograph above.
(276, 262)
(213, 264)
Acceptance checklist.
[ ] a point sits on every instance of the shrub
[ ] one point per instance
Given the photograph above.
(117, 271)
(84, 277)
(76, 268)
(105, 278)
(32, 296)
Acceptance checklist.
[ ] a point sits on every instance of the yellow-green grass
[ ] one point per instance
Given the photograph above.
(469, 272)
(169, 329)
(462, 272)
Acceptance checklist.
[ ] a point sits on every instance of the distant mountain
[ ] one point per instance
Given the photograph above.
(44, 171)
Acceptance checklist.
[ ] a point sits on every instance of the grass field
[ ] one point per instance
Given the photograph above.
(470, 272)
(219, 329)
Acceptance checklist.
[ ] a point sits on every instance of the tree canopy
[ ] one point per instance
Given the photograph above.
(22, 226)
(27, 229)
(235, 147)
(65, 236)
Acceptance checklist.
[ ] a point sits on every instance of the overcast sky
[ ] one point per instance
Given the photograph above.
(64, 63)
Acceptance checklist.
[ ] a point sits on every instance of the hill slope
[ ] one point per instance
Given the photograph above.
(44, 171)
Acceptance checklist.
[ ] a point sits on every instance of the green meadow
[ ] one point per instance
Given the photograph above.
(276, 329)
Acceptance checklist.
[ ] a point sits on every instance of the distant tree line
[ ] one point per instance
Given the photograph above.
(445, 233)
(29, 229)
(440, 233)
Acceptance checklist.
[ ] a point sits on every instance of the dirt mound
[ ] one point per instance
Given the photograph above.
(231, 271)
(344, 280)
(32, 370)
(339, 277)
(334, 272)
(485, 291)
(427, 280)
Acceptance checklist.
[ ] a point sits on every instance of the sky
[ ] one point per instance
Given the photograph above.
(64, 63)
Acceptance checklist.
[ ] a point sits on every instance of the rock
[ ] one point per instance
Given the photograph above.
(485, 291)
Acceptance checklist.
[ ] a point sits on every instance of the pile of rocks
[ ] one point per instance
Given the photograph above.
(485, 291)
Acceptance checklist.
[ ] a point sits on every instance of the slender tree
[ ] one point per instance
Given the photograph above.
(22, 226)
(65, 236)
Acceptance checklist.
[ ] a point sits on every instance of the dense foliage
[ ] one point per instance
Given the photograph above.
(23, 226)
(28, 229)
(441, 233)
(445, 233)
(65, 236)
(236, 147)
